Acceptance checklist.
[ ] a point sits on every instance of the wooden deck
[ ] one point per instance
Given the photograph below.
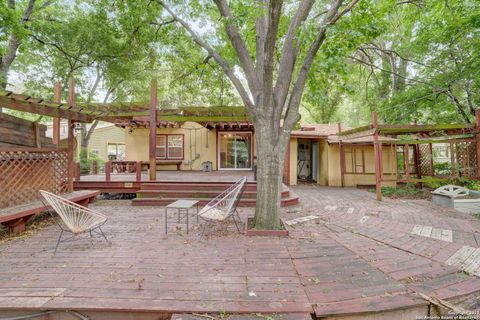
(177, 176)
(336, 268)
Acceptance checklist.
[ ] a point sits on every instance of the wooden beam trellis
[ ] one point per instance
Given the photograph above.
(42, 108)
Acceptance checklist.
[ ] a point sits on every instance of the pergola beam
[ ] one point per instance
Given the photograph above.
(42, 108)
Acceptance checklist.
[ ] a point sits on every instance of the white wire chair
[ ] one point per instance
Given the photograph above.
(75, 218)
(224, 206)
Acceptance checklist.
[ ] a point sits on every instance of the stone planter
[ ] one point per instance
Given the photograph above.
(266, 233)
(469, 205)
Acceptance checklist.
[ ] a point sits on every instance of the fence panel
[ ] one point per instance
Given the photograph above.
(25, 171)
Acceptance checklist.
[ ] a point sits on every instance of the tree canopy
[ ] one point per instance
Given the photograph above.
(412, 61)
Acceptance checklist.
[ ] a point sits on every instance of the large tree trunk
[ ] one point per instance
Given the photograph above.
(270, 161)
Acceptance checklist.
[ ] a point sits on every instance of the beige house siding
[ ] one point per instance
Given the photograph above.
(197, 140)
(293, 161)
(329, 166)
(352, 180)
(101, 137)
(323, 166)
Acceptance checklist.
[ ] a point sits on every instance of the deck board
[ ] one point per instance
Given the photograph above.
(339, 266)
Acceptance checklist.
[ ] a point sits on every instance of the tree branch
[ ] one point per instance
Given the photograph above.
(219, 59)
(238, 44)
(290, 52)
(291, 114)
(458, 105)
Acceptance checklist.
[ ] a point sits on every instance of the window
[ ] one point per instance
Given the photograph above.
(169, 146)
(116, 151)
(161, 147)
(355, 159)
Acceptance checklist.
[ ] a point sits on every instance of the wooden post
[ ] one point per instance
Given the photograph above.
(94, 167)
(77, 171)
(342, 163)
(477, 140)
(452, 158)
(418, 169)
(342, 157)
(71, 103)
(108, 170)
(406, 154)
(153, 130)
(57, 98)
(432, 169)
(138, 171)
(378, 158)
(286, 166)
(36, 133)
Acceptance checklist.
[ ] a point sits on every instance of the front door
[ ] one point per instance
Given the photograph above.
(235, 150)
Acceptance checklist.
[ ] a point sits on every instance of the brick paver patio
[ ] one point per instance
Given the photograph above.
(360, 257)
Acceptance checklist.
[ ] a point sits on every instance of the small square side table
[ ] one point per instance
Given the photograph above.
(182, 207)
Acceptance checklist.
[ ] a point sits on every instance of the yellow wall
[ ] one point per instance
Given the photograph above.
(137, 145)
(352, 180)
(293, 161)
(329, 166)
(323, 165)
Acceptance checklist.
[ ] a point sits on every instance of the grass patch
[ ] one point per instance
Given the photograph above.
(408, 191)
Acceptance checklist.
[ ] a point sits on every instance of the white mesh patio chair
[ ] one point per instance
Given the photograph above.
(224, 206)
(75, 219)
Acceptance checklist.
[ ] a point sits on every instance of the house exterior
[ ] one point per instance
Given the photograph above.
(107, 140)
(226, 147)
(313, 154)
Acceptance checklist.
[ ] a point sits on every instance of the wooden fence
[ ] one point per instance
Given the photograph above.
(25, 171)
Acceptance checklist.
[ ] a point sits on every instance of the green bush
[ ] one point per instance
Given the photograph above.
(407, 191)
(86, 161)
(442, 168)
(466, 182)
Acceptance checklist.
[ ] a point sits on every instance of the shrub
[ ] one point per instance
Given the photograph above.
(86, 161)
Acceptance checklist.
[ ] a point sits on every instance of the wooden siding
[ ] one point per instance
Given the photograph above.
(17, 132)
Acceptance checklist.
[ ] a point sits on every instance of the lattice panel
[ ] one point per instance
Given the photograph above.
(425, 160)
(24, 172)
(466, 157)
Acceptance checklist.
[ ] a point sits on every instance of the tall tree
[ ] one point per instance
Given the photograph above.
(270, 71)
(15, 21)
(425, 66)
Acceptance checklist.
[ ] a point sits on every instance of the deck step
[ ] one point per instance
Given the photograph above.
(244, 202)
(195, 194)
(194, 186)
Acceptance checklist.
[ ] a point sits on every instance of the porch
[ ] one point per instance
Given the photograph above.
(362, 260)
(171, 176)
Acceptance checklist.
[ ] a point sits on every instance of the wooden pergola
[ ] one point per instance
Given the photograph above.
(415, 136)
(131, 114)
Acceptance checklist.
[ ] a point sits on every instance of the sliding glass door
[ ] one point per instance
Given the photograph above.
(235, 150)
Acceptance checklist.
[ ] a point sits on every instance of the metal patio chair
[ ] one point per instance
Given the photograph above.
(75, 218)
(224, 206)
